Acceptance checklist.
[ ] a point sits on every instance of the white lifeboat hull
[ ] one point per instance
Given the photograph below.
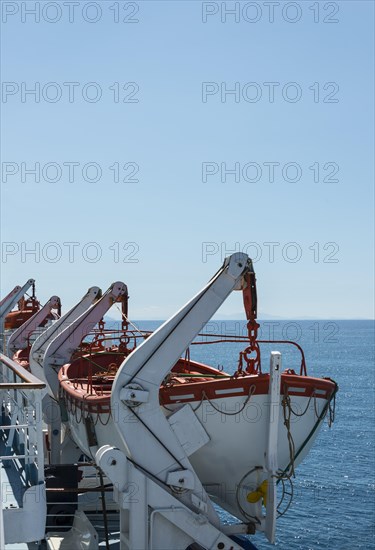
(237, 442)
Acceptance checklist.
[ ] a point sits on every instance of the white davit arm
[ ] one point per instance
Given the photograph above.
(142, 424)
(65, 344)
(40, 345)
(19, 338)
(9, 296)
(8, 303)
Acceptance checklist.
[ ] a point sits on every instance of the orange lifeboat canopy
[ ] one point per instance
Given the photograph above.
(16, 318)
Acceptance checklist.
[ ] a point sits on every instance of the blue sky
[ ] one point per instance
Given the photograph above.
(173, 227)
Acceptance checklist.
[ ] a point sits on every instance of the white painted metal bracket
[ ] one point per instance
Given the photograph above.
(152, 517)
(133, 395)
(188, 429)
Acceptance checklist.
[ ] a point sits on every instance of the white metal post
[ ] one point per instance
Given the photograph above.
(272, 441)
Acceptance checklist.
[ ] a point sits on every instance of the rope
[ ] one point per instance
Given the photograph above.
(104, 508)
(307, 406)
(130, 323)
(99, 419)
(73, 406)
(251, 391)
(204, 397)
(332, 410)
(287, 412)
(320, 418)
(150, 474)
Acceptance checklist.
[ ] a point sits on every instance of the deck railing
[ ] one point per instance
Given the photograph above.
(22, 453)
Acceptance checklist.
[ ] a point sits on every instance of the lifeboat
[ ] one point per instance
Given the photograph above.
(232, 406)
(26, 309)
(234, 410)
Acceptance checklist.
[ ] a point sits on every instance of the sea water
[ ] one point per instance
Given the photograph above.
(334, 490)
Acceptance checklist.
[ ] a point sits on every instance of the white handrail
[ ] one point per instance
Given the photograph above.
(21, 426)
